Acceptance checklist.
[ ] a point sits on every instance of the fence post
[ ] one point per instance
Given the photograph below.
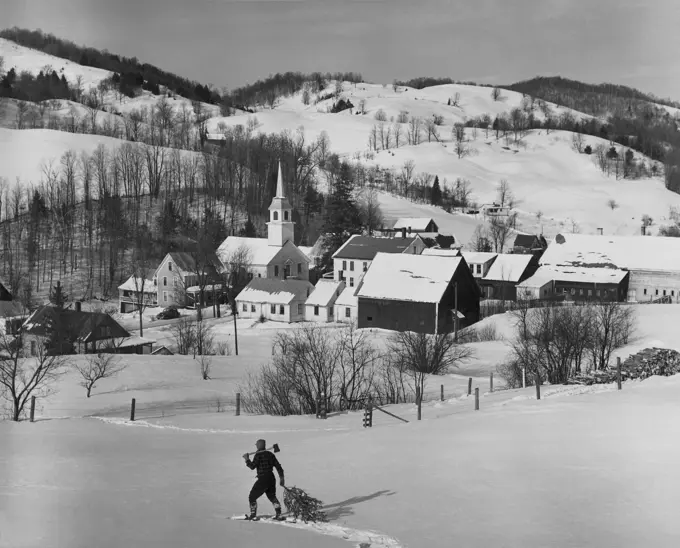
(524, 377)
(324, 406)
(318, 407)
(442, 393)
(238, 403)
(618, 373)
(368, 413)
(470, 386)
(538, 386)
(32, 408)
(132, 410)
(419, 397)
(491, 381)
(476, 399)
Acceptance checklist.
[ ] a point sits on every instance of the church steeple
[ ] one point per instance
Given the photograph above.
(280, 227)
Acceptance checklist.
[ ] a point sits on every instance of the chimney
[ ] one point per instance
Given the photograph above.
(409, 230)
(77, 303)
(403, 232)
(600, 231)
(643, 230)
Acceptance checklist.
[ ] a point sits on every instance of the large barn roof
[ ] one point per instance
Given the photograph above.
(626, 252)
(546, 274)
(405, 277)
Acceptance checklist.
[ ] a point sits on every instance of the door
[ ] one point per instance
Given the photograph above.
(632, 295)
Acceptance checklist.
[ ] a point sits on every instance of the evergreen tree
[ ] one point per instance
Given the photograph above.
(248, 231)
(57, 296)
(436, 195)
(342, 214)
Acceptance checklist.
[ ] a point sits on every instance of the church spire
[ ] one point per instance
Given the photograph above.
(279, 184)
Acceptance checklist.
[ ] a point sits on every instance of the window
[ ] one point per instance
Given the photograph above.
(170, 266)
(155, 281)
(664, 292)
(351, 282)
(276, 271)
(250, 275)
(369, 318)
(165, 296)
(590, 293)
(344, 265)
(252, 308)
(282, 309)
(316, 310)
(414, 250)
(275, 215)
(347, 312)
(645, 291)
(299, 268)
(245, 307)
(656, 292)
(472, 268)
(597, 292)
(351, 266)
(259, 274)
(300, 305)
(573, 291)
(273, 309)
(581, 292)
(175, 282)
(32, 348)
(479, 269)
(285, 215)
(365, 266)
(165, 281)
(330, 311)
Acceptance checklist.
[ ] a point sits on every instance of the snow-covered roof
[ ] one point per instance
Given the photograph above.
(348, 297)
(419, 224)
(546, 274)
(259, 252)
(325, 292)
(405, 277)
(273, 291)
(478, 257)
(627, 252)
(206, 289)
(133, 341)
(508, 268)
(134, 283)
(436, 251)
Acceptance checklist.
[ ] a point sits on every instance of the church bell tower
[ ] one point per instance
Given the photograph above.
(280, 227)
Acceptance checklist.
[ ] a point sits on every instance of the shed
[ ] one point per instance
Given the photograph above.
(347, 306)
(500, 282)
(320, 305)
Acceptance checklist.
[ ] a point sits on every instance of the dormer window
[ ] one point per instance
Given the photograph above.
(275, 215)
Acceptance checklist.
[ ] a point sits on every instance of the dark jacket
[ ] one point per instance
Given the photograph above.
(265, 462)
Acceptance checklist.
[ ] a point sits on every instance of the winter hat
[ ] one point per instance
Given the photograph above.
(260, 444)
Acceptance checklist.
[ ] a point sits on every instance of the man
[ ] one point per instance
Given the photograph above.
(264, 462)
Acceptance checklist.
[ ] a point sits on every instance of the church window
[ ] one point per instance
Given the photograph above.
(276, 215)
(285, 215)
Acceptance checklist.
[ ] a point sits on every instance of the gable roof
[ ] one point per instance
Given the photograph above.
(134, 283)
(547, 274)
(414, 223)
(348, 297)
(508, 268)
(259, 250)
(325, 292)
(405, 277)
(478, 257)
(366, 247)
(80, 323)
(626, 252)
(186, 262)
(274, 291)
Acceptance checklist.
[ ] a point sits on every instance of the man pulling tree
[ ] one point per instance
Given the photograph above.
(264, 462)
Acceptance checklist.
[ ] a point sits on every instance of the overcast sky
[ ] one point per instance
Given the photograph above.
(230, 43)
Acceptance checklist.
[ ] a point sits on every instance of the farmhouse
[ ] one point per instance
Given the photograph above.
(129, 293)
(178, 278)
(275, 300)
(320, 305)
(652, 261)
(353, 259)
(479, 262)
(80, 331)
(575, 284)
(506, 271)
(426, 294)
(275, 256)
(415, 224)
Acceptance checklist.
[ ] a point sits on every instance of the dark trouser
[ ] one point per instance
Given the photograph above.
(265, 485)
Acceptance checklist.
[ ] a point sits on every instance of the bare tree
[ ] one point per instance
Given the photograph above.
(98, 367)
(613, 327)
(577, 142)
(373, 138)
(369, 209)
(380, 115)
(499, 232)
(184, 333)
(612, 204)
(422, 354)
(362, 106)
(496, 94)
(205, 363)
(461, 148)
(398, 134)
(431, 130)
(414, 131)
(93, 105)
(455, 100)
(22, 377)
(504, 194)
(402, 117)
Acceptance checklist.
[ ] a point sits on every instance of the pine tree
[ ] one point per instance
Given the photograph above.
(342, 213)
(301, 505)
(436, 195)
(57, 296)
(249, 231)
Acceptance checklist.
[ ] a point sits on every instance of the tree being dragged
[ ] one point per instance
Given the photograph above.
(303, 506)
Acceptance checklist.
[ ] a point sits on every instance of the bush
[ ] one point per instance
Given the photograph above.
(380, 115)
(588, 149)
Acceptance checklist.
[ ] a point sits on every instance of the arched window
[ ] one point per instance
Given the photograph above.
(276, 215)
(285, 215)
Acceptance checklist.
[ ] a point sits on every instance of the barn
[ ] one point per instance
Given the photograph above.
(418, 293)
(576, 284)
(506, 271)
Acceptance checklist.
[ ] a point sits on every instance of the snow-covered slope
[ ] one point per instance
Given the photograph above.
(30, 60)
